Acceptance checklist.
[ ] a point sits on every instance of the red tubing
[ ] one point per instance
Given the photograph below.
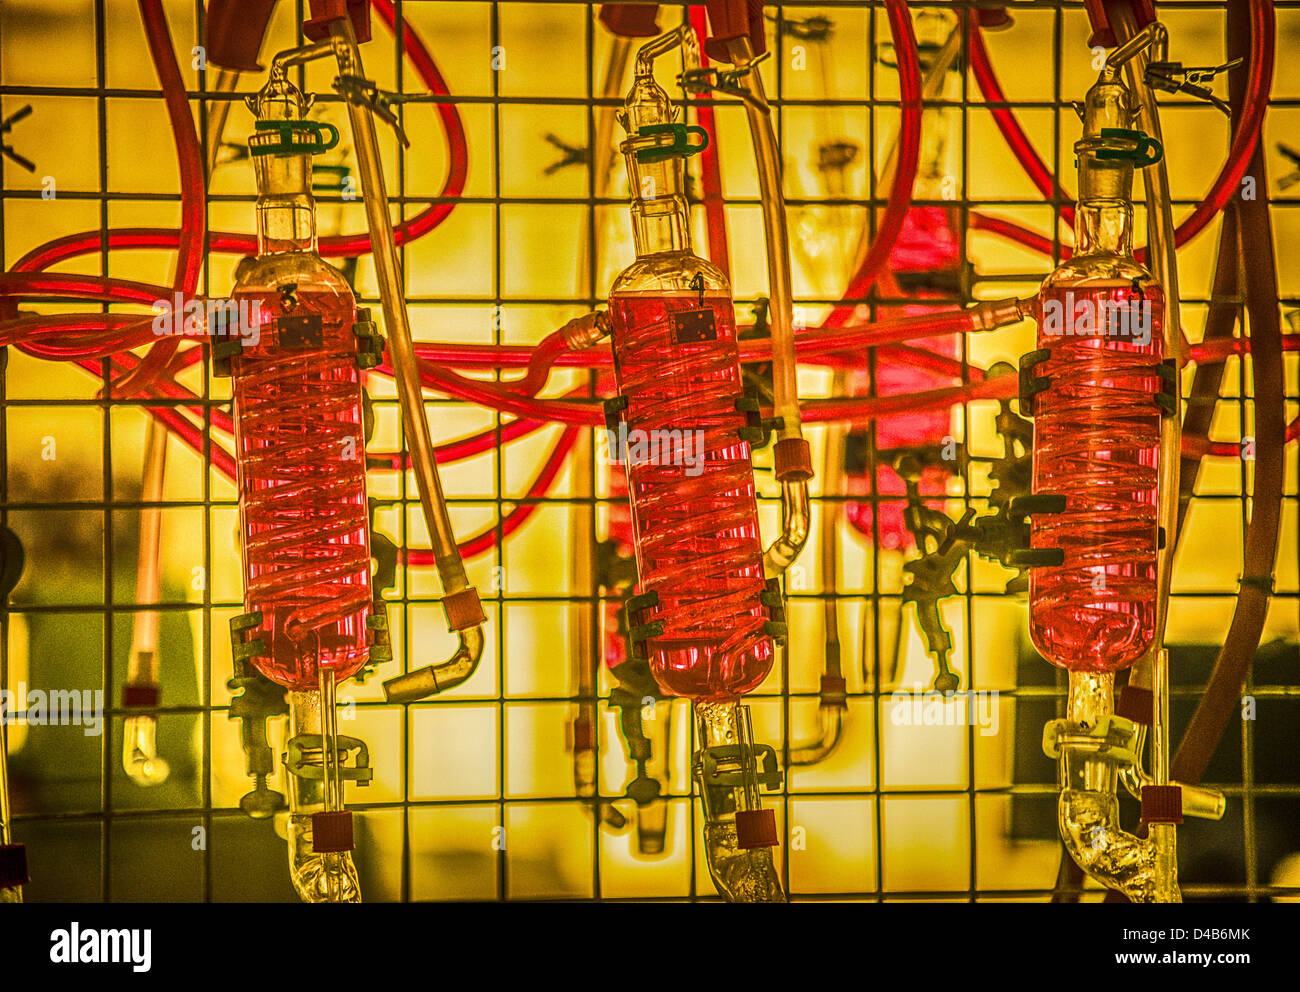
(189, 155)
(1015, 136)
(1226, 184)
(1014, 232)
(189, 257)
(863, 409)
(909, 150)
(340, 246)
(710, 171)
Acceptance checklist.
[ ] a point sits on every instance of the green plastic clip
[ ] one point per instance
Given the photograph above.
(680, 145)
(296, 137)
(1145, 150)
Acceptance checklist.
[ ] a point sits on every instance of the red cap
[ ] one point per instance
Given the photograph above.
(1144, 12)
(13, 865)
(1162, 804)
(317, 27)
(235, 29)
(631, 20)
(331, 833)
(142, 695)
(792, 460)
(756, 828)
(584, 735)
(993, 18)
(463, 609)
(730, 19)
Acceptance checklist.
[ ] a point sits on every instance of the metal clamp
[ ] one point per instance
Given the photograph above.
(749, 761)
(301, 762)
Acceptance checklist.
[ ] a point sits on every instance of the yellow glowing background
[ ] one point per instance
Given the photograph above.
(901, 811)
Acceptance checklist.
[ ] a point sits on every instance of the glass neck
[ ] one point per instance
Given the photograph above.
(285, 224)
(660, 226)
(286, 212)
(1103, 226)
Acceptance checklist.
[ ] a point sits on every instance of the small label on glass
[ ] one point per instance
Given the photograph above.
(694, 326)
(305, 331)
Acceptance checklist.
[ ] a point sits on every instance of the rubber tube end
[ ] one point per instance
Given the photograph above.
(331, 832)
(1162, 804)
(793, 460)
(756, 828)
(463, 610)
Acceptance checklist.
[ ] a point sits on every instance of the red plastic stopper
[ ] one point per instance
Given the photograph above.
(631, 20)
(1162, 804)
(730, 19)
(1144, 12)
(756, 828)
(793, 460)
(331, 833)
(1135, 704)
(993, 18)
(235, 29)
(13, 865)
(317, 27)
(584, 735)
(463, 609)
(833, 688)
(142, 695)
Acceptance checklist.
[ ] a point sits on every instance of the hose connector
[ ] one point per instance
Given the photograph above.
(1091, 747)
(738, 833)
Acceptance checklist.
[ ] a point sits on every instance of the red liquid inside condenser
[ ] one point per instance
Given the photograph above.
(696, 524)
(925, 261)
(1097, 442)
(300, 450)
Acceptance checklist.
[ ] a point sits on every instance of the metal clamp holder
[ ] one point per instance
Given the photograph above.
(614, 409)
(1114, 732)
(757, 432)
(370, 342)
(638, 630)
(302, 762)
(758, 761)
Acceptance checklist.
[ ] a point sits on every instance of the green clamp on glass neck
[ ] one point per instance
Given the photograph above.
(295, 137)
(680, 145)
(1136, 146)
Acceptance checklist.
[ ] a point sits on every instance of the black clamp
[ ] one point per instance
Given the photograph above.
(223, 350)
(1166, 396)
(1004, 536)
(380, 638)
(370, 342)
(757, 432)
(614, 408)
(361, 92)
(775, 626)
(639, 631)
(257, 699)
(241, 647)
(1032, 384)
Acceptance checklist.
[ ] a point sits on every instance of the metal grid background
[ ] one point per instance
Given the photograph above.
(396, 828)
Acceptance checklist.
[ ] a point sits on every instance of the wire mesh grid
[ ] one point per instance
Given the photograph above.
(511, 826)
